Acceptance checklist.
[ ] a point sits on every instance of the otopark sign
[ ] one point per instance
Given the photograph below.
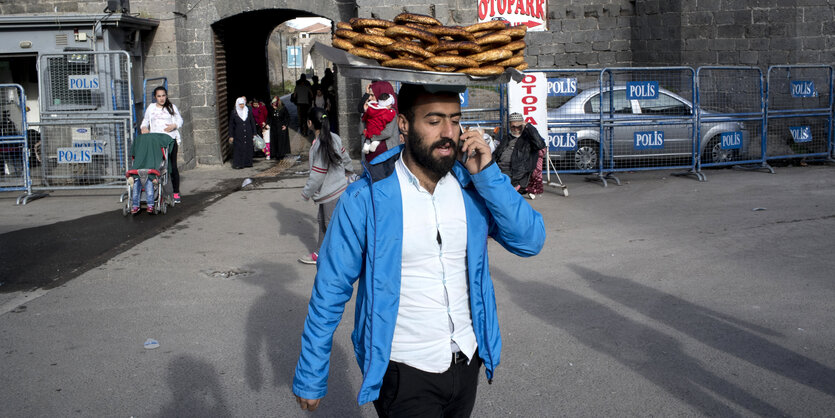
(531, 13)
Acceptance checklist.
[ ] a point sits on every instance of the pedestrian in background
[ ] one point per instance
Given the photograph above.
(517, 153)
(241, 130)
(163, 117)
(278, 120)
(329, 163)
(302, 97)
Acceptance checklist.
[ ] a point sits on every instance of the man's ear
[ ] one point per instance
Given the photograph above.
(403, 124)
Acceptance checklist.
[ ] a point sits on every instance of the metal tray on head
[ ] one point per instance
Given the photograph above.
(352, 66)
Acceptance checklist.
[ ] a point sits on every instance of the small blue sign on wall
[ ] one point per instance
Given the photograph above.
(565, 141)
(803, 88)
(464, 98)
(562, 87)
(649, 140)
(641, 90)
(294, 57)
(731, 140)
(801, 133)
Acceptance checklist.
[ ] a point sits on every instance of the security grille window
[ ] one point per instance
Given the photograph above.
(60, 69)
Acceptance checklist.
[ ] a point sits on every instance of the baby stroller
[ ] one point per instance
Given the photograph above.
(149, 159)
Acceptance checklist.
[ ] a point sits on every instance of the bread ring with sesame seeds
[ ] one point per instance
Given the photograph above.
(491, 55)
(451, 31)
(344, 25)
(375, 40)
(493, 38)
(482, 71)
(464, 47)
(488, 25)
(411, 48)
(400, 31)
(451, 61)
(341, 43)
(403, 18)
(406, 64)
(367, 53)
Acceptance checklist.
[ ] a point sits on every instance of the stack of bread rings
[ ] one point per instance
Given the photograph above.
(420, 42)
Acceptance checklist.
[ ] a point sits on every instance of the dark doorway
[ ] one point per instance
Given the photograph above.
(241, 63)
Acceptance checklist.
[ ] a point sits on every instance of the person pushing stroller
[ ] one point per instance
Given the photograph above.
(149, 153)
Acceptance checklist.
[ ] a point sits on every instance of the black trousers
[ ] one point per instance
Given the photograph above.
(409, 392)
(172, 168)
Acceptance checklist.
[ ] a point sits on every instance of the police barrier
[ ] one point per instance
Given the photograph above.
(573, 122)
(731, 116)
(14, 147)
(484, 107)
(94, 83)
(648, 120)
(799, 112)
(82, 153)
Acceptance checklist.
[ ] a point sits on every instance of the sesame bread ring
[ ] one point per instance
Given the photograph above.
(462, 47)
(451, 31)
(489, 70)
(411, 48)
(514, 46)
(515, 32)
(371, 47)
(346, 34)
(374, 31)
(522, 67)
(493, 39)
(407, 64)
(372, 40)
(341, 43)
(512, 61)
(417, 26)
(405, 31)
(344, 25)
(367, 53)
(491, 55)
(444, 68)
(481, 33)
(416, 18)
(451, 60)
(370, 23)
(488, 25)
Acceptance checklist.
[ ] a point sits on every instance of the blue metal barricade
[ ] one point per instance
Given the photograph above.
(799, 112)
(731, 116)
(14, 147)
(573, 125)
(648, 120)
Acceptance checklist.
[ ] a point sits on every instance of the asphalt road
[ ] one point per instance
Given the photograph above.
(661, 297)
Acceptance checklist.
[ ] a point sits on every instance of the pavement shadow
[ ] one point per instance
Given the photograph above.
(273, 330)
(303, 225)
(654, 355)
(715, 329)
(195, 388)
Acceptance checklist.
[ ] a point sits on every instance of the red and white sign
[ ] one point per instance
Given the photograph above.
(531, 13)
(530, 98)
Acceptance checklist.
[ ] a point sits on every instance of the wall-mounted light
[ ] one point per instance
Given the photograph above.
(25, 44)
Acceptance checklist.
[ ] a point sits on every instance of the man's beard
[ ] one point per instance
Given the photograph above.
(422, 155)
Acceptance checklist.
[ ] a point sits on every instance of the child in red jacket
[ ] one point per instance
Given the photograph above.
(377, 115)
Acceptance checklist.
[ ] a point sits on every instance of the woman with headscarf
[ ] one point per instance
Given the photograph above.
(390, 137)
(278, 120)
(241, 130)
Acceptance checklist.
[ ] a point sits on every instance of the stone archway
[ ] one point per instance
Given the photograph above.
(221, 51)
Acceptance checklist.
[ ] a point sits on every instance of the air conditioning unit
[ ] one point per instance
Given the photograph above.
(117, 6)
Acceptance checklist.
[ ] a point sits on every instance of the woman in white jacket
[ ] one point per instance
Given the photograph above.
(163, 117)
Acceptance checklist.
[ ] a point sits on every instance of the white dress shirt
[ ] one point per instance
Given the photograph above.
(434, 314)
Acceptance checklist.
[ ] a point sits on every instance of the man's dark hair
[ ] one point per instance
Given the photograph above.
(408, 95)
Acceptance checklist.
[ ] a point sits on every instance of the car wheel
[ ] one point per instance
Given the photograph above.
(585, 158)
(713, 152)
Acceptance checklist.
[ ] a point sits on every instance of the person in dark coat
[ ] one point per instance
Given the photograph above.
(278, 119)
(517, 154)
(241, 130)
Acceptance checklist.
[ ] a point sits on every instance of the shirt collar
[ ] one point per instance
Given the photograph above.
(412, 179)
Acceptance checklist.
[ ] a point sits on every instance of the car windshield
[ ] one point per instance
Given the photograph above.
(664, 105)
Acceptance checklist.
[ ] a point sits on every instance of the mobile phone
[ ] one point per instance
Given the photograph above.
(464, 156)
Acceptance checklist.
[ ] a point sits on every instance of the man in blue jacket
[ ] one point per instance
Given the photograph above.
(414, 232)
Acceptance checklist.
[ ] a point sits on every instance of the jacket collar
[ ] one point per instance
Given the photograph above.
(383, 166)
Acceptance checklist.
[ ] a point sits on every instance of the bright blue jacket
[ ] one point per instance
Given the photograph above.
(364, 241)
